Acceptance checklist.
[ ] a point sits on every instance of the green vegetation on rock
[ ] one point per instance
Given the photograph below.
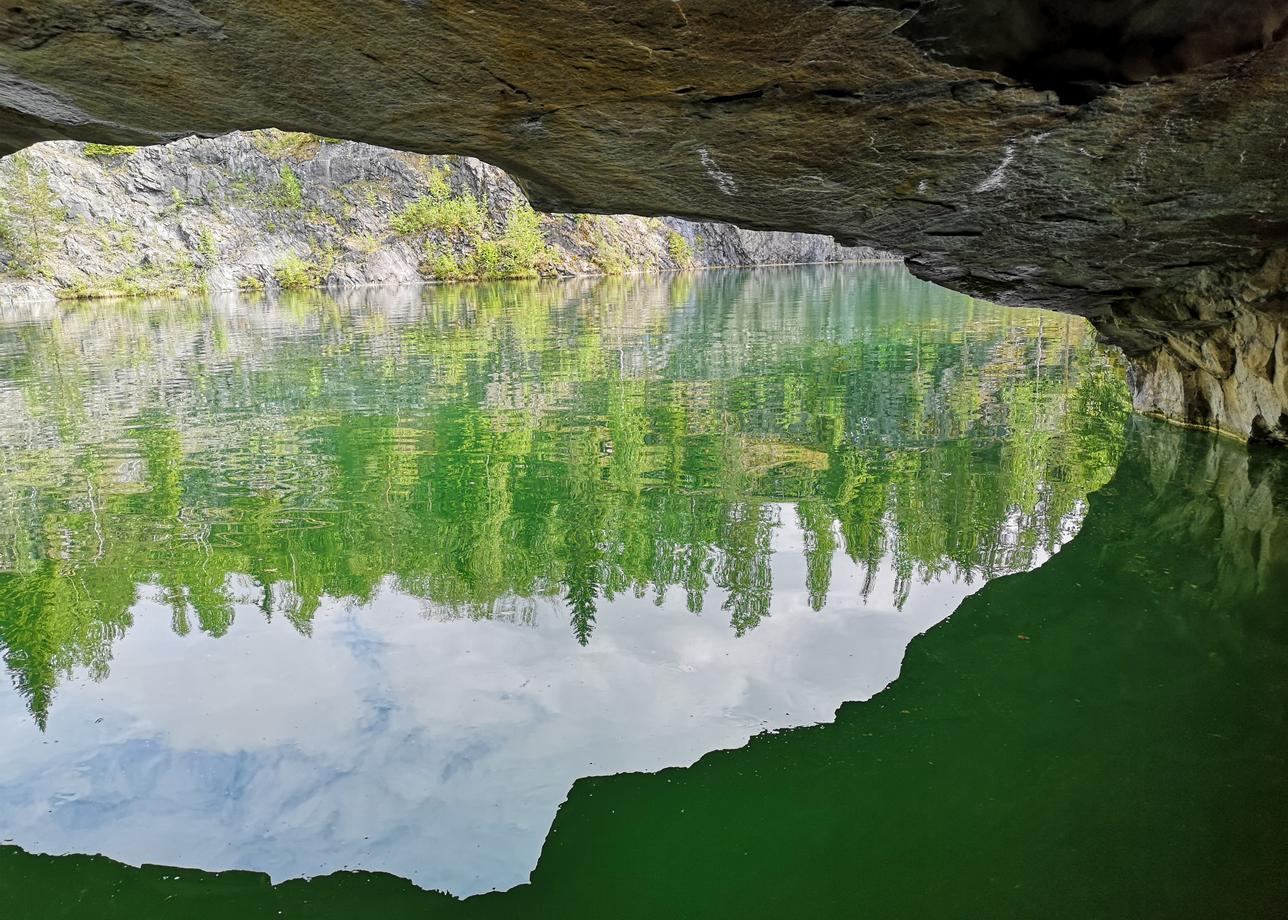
(279, 145)
(441, 210)
(206, 244)
(293, 272)
(31, 217)
(109, 150)
(524, 253)
(152, 279)
(610, 256)
(289, 192)
(462, 242)
(681, 251)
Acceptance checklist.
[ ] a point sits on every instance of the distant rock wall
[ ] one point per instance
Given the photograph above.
(268, 208)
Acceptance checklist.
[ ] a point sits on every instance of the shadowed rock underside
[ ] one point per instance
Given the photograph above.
(1123, 161)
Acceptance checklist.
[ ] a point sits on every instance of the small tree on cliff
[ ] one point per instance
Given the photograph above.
(30, 216)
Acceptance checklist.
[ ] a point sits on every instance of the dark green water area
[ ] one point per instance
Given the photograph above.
(786, 593)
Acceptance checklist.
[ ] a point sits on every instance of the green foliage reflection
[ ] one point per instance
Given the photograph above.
(484, 446)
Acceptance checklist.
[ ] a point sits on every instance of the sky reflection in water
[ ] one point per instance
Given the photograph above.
(309, 584)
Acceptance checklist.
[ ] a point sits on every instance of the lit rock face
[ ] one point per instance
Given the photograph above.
(208, 215)
(1124, 161)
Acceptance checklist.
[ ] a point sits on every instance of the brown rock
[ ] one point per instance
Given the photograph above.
(1123, 161)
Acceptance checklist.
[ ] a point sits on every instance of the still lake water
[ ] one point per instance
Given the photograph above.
(370, 581)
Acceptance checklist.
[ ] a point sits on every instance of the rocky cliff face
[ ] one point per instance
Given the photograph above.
(1123, 161)
(252, 210)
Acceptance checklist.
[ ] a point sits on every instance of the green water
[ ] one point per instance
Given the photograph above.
(244, 543)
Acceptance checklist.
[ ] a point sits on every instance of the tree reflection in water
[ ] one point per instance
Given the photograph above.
(483, 447)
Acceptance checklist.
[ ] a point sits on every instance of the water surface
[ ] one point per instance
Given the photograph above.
(307, 584)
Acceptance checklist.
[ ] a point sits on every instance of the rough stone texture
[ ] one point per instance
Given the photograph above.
(204, 214)
(1226, 365)
(1124, 161)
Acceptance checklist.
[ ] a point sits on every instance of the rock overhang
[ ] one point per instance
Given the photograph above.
(1123, 161)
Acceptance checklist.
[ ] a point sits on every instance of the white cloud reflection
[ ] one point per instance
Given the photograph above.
(435, 750)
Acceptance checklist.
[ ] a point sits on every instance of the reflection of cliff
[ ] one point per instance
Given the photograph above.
(1227, 502)
(483, 445)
